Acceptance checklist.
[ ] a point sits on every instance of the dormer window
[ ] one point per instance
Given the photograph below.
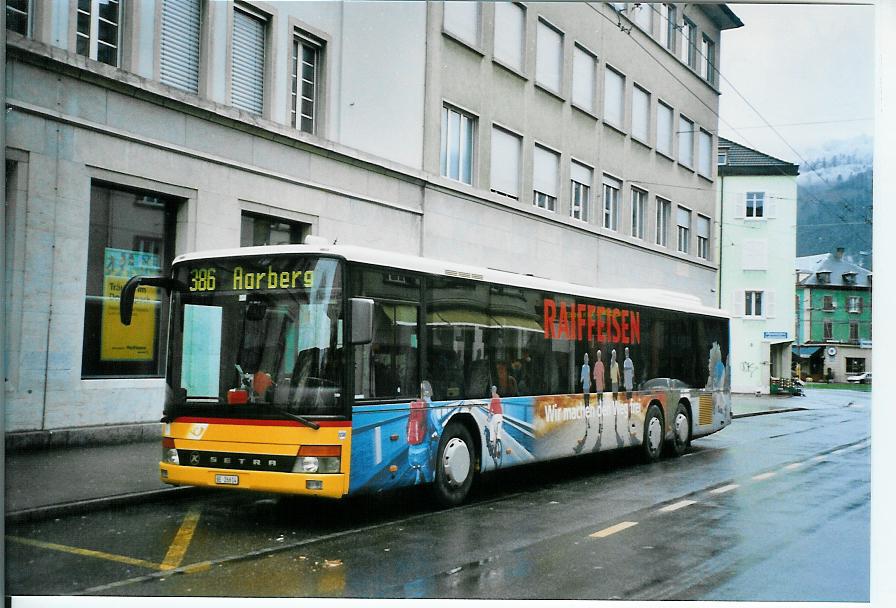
(823, 277)
(849, 278)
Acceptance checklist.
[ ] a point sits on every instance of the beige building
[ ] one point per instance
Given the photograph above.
(568, 140)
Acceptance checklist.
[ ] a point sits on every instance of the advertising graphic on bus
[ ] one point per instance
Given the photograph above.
(336, 370)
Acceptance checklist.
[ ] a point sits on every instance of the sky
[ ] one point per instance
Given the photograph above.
(797, 63)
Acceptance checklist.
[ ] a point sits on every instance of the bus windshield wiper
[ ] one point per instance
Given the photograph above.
(296, 417)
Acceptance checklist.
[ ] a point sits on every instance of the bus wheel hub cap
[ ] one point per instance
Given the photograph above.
(456, 461)
(654, 434)
(681, 427)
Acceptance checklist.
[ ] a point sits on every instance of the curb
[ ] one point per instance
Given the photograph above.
(780, 411)
(78, 507)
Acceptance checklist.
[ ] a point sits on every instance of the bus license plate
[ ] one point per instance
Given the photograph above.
(232, 480)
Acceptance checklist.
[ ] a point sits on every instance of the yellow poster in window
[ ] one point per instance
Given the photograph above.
(135, 342)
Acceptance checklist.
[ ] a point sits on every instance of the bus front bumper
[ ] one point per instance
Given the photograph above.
(331, 485)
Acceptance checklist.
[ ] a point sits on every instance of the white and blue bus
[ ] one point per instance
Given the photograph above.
(332, 370)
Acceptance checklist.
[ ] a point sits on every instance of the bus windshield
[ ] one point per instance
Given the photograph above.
(257, 337)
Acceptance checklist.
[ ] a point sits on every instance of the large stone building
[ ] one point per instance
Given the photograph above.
(569, 140)
(757, 196)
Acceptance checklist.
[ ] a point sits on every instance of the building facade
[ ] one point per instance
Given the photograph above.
(833, 325)
(567, 140)
(757, 197)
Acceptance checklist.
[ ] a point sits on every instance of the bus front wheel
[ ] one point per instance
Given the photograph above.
(454, 466)
(653, 434)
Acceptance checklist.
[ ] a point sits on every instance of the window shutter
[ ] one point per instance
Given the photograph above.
(179, 45)
(768, 304)
(505, 169)
(771, 206)
(861, 305)
(546, 171)
(740, 207)
(247, 75)
(737, 303)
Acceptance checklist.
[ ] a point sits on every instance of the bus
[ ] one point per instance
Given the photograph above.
(332, 370)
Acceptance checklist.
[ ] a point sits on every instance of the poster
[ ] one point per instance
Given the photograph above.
(135, 342)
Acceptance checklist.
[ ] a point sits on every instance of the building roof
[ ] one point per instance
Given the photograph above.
(742, 160)
(723, 16)
(834, 264)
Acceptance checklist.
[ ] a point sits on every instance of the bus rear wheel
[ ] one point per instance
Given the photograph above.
(652, 445)
(681, 430)
(455, 466)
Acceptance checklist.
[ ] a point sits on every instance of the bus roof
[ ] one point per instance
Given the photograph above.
(657, 298)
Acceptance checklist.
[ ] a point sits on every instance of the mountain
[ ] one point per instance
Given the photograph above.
(834, 207)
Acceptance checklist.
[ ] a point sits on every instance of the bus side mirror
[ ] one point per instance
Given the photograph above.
(362, 320)
(129, 292)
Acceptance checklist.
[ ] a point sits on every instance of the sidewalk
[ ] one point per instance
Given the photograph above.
(49, 482)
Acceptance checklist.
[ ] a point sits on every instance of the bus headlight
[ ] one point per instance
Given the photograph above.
(318, 459)
(169, 453)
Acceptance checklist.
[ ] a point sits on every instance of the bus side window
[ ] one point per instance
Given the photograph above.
(387, 367)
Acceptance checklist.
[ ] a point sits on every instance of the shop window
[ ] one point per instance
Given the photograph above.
(131, 233)
(259, 229)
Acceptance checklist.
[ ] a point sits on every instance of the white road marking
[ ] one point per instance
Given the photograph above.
(723, 489)
(763, 476)
(794, 465)
(678, 505)
(613, 529)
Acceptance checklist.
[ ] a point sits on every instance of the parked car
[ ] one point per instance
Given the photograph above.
(863, 378)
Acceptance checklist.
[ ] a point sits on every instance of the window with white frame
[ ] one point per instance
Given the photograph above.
(307, 54)
(584, 65)
(755, 204)
(703, 225)
(853, 331)
(684, 230)
(708, 60)
(641, 114)
(98, 33)
(505, 163)
(664, 130)
(639, 208)
(722, 157)
(18, 14)
(548, 56)
(580, 195)
(855, 304)
(828, 330)
(753, 303)
(685, 141)
(614, 97)
(461, 19)
(663, 216)
(668, 29)
(827, 303)
(689, 43)
(611, 188)
(510, 34)
(248, 60)
(642, 15)
(546, 167)
(179, 44)
(456, 158)
(704, 154)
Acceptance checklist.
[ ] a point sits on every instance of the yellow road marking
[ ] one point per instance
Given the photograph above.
(131, 561)
(181, 542)
(723, 489)
(763, 476)
(678, 505)
(613, 529)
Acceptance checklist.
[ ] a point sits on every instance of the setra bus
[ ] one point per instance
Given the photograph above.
(330, 370)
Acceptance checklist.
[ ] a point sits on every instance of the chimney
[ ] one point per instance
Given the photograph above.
(839, 254)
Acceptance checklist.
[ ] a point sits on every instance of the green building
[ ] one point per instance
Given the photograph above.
(833, 320)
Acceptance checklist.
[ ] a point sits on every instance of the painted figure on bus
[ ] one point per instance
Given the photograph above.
(599, 374)
(628, 373)
(424, 429)
(585, 379)
(494, 426)
(614, 373)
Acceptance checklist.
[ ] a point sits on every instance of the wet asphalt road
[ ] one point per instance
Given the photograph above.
(775, 507)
